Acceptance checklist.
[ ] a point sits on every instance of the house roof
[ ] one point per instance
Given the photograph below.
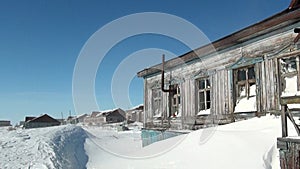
(107, 112)
(44, 119)
(280, 20)
(29, 118)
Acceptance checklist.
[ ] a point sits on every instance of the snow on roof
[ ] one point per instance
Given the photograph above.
(81, 115)
(137, 106)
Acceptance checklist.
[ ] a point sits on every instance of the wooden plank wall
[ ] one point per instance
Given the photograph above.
(268, 85)
(220, 92)
(187, 96)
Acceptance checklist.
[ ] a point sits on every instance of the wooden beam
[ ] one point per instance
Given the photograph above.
(290, 100)
(284, 121)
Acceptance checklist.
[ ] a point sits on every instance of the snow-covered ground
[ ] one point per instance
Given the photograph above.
(52, 147)
(249, 144)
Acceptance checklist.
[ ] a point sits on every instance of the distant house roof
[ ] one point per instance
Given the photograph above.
(81, 116)
(29, 118)
(108, 112)
(43, 119)
(138, 108)
(95, 113)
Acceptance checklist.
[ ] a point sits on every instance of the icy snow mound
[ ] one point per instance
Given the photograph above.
(51, 148)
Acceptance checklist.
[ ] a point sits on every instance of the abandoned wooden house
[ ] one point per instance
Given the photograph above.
(4, 123)
(244, 75)
(104, 117)
(41, 121)
(135, 114)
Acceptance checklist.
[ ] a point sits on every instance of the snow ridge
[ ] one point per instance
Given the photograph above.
(60, 147)
(68, 146)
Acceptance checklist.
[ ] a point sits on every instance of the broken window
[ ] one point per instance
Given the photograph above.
(157, 103)
(176, 101)
(203, 96)
(245, 87)
(245, 82)
(289, 75)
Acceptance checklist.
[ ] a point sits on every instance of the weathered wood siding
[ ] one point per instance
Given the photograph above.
(262, 52)
(267, 86)
(220, 92)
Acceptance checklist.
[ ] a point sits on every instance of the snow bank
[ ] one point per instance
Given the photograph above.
(51, 148)
(112, 141)
(249, 144)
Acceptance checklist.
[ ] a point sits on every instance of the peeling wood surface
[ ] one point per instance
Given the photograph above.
(264, 54)
(274, 23)
(289, 151)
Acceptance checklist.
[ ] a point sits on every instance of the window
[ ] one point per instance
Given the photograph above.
(245, 88)
(289, 70)
(245, 82)
(176, 101)
(203, 94)
(157, 102)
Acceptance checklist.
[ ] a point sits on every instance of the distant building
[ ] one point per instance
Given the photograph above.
(42, 121)
(135, 114)
(115, 116)
(109, 116)
(94, 119)
(21, 123)
(4, 123)
(80, 118)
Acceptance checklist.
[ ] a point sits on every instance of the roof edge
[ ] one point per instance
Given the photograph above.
(287, 16)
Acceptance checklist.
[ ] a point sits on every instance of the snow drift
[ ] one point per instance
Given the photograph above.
(249, 144)
(51, 148)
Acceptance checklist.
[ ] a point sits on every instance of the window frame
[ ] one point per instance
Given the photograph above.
(289, 74)
(175, 100)
(246, 82)
(205, 90)
(155, 100)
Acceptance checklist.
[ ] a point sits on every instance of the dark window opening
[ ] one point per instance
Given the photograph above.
(245, 82)
(176, 101)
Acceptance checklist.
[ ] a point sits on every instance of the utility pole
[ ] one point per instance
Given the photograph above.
(62, 118)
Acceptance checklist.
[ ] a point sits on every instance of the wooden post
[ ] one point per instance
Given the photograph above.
(284, 120)
(298, 74)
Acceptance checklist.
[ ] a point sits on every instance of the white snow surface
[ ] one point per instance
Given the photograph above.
(249, 144)
(43, 148)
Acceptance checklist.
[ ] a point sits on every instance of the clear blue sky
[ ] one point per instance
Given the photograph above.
(41, 40)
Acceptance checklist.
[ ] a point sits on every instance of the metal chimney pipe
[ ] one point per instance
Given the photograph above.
(163, 77)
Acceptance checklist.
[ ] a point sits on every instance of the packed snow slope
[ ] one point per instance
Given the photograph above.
(249, 144)
(59, 147)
